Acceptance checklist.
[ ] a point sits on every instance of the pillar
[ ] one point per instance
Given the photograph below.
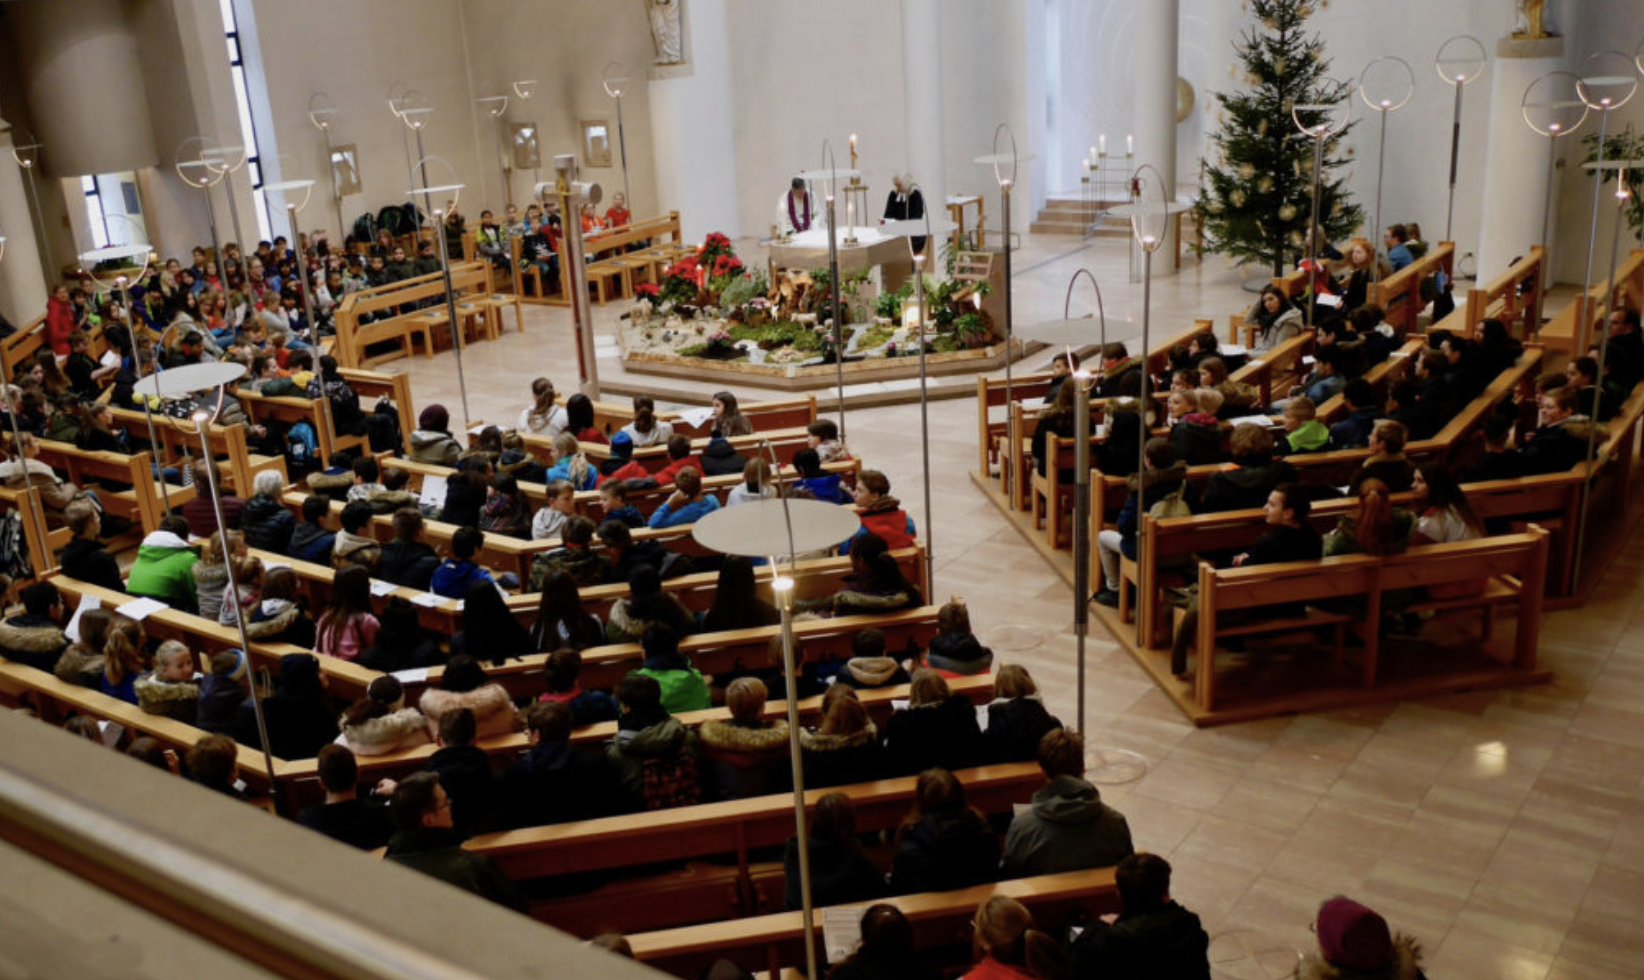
(922, 87)
(1156, 26)
(693, 128)
(22, 284)
(1515, 182)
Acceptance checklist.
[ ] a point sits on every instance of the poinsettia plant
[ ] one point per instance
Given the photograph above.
(681, 281)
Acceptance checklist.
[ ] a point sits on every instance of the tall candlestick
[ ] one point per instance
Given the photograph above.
(1101, 144)
(1130, 145)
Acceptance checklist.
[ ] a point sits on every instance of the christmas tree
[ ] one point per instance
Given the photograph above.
(1258, 195)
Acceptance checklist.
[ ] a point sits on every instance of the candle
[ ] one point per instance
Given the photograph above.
(1130, 145)
(850, 215)
(1101, 144)
(853, 151)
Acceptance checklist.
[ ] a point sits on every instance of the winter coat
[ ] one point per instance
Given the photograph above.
(1068, 828)
(355, 549)
(869, 672)
(959, 653)
(841, 874)
(331, 484)
(688, 513)
(1155, 485)
(943, 734)
(85, 560)
(944, 851)
(267, 524)
(80, 665)
(493, 711)
(667, 741)
(280, 621)
(465, 772)
(402, 729)
(36, 642)
(826, 488)
(739, 761)
(434, 447)
(454, 577)
(585, 566)
(225, 709)
(720, 458)
(554, 782)
(1197, 439)
(439, 853)
(838, 760)
(1245, 487)
(312, 543)
(357, 823)
(626, 626)
(1353, 432)
(163, 571)
(886, 518)
(1406, 964)
(1015, 727)
(1311, 436)
(407, 563)
(1165, 944)
(1557, 448)
(173, 700)
(683, 688)
(210, 586)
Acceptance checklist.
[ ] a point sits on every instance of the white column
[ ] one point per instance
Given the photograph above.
(1515, 182)
(22, 286)
(692, 129)
(922, 87)
(1156, 24)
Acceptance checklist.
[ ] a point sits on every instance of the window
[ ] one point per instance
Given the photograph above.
(248, 130)
(114, 211)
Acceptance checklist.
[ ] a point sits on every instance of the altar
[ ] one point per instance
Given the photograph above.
(872, 250)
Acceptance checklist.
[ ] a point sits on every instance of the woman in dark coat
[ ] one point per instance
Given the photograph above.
(846, 748)
(300, 719)
(943, 844)
(1017, 718)
(936, 729)
(841, 871)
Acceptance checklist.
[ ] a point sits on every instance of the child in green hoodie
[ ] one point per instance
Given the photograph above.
(164, 566)
(1303, 432)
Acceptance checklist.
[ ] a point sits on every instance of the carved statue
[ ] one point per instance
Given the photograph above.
(665, 31)
(1532, 16)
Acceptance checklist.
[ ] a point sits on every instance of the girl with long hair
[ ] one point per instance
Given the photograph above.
(646, 429)
(123, 659)
(561, 620)
(579, 419)
(543, 418)
(489, 627)
(728, 418)
(571, 464)
(347, 626)
(737, 604)
(1443, 513)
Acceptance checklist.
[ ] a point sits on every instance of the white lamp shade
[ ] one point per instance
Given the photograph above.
(760, 527)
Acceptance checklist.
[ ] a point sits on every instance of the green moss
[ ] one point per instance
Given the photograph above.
(875, 336)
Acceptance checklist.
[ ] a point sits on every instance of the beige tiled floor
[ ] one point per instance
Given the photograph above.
(1501, 828)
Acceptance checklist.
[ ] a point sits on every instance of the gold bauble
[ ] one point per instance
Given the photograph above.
(1184, 98)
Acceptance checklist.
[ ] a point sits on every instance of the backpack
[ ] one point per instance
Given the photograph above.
(365, 228)
(670, 782)
(302, 449)
(383, 426)
(14, 548)
(1171, 506)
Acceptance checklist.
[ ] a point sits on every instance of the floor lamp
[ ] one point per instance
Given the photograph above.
(203, 174)
(287, 190)
(1460, 61)
(397, 93)
(523, 90)
(1150, 219)
(829, 174)
(496, 106)
(438, 216)
(773, 529)
(177, 383)
(121, 284)
(225, 160)
(1318, 120)
(1006, 179)
(322, 112)
(25, 149)
(1385, 85)
(1606, 83)
(913, 230)
(415, 112)
(1551, 107)
(616, 82)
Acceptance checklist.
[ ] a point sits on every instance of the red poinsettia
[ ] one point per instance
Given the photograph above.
(646, 290)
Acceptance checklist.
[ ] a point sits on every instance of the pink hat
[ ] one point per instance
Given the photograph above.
(1353, 936)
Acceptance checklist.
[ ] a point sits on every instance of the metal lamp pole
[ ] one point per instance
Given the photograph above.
(616, 82)
(1394, 96)
(1552, 107)
(1460, 61)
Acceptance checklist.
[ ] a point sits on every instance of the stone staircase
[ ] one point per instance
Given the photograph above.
(1066, 214)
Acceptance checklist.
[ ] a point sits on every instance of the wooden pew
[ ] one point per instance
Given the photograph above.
(1577, 326)
(371, 385)
(613, 264)
(291, 409)
(21, 345)
(736, 828)
(1512, 567)
(473, 279)
(1514, 297)
(237, 464)
(57, 701)
(31, 512)
(773, 942)
(140, 504)
(1399, 295)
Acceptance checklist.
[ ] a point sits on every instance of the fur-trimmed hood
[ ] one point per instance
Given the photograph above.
(280, 613)
(1406, 964)
(872, 671)
(80, 665)
(492, 708)
(24, 634)
(818, 742)
(729, 737)
(157, 697)
(323, 482)
(402, 729)
(1172, 474)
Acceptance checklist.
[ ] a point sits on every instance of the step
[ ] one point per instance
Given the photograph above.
(1075, 227)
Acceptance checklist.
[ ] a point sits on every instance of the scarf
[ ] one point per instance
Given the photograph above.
(794, 218)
